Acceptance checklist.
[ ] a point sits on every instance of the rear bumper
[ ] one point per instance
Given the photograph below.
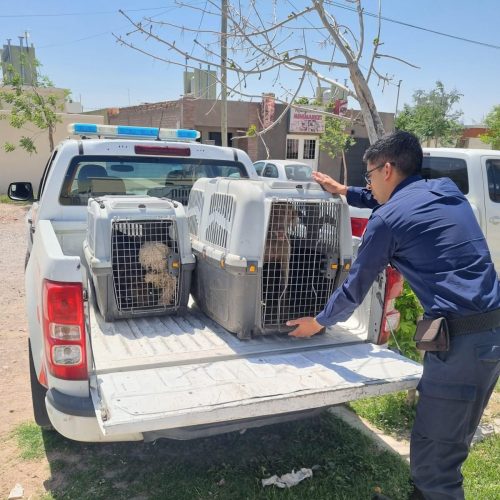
(75, 418)
(70, 405)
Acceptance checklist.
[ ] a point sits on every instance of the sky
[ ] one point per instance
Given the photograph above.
(76, 43)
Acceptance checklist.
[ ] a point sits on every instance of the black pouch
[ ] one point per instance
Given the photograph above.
(432, 335)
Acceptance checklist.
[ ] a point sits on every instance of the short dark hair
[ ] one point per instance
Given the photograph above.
(401, 148)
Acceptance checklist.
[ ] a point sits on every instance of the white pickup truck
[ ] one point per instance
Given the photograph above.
(476, 172)
(177, 376)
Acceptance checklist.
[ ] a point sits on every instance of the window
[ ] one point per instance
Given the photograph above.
(217, 138)
(298, 172)
(259, 166)
(271, 171)
(309, 149)
(163, 177)
(434, 167)
(493, 173)
(292, 149)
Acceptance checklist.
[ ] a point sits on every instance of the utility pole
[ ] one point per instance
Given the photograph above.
(397, 99)
(21, 60)
(223, 79)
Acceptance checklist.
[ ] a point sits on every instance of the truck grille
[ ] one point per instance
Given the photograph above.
(301, 250)
(146, 264)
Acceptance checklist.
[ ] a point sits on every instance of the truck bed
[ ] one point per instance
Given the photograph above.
(178, 340)
(171, 372)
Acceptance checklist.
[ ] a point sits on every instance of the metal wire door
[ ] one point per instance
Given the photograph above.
(302, 241)
(145, 263)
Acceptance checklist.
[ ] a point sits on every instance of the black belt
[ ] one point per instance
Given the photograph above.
(474, 323)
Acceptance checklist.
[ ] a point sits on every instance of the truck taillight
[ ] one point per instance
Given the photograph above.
(390, 316)
(358, 226)
(64, 330)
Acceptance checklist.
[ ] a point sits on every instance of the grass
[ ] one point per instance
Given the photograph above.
(231, 466)
(30, 441)
(482, 470)
(390, 413)
(5, 199)
(33, 443)
(346, 465)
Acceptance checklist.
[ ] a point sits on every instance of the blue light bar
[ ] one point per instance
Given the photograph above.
(84, 128)
(130, 131)
(187, 134)
(137, 131)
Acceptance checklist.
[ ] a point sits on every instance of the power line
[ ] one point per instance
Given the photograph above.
(371, 14)
(165, 10)
(74, 41)
(79, 13)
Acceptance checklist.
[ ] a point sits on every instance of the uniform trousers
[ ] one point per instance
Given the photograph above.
(454, 390)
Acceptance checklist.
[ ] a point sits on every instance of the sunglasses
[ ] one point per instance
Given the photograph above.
(368, 175)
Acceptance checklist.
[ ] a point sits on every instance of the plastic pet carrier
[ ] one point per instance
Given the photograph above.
(266, 251)
(138, 255)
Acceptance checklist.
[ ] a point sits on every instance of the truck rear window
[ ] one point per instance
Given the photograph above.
(91, 176)
(434, 167)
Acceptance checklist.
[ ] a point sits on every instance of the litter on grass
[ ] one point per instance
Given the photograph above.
(288, 480)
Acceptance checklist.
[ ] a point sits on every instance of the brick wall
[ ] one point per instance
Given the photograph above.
(167, 114)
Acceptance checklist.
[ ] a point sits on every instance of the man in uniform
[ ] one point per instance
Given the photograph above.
(426, 230)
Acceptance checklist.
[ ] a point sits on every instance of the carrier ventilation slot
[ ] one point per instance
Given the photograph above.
(194, 211)
(220, 216)
(301, 243)
(146, 265)
(180, 194)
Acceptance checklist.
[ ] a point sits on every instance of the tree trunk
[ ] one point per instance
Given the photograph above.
(373, 123)
(51, 138)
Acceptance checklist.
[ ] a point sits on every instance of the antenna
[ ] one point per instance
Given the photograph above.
(159, 126)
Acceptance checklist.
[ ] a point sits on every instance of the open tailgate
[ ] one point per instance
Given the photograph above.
(215, 390)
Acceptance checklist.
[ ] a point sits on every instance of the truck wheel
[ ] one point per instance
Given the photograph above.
(38, 392)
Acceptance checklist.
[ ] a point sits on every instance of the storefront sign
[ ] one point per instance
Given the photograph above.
(306, 121)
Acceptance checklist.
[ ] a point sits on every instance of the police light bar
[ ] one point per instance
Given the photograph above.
(136, 132)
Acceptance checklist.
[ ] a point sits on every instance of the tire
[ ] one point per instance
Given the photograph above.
(38, 392)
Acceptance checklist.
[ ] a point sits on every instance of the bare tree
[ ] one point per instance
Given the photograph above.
(277, 39)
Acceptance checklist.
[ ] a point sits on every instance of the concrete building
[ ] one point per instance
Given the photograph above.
(295, 136)
(21, 59)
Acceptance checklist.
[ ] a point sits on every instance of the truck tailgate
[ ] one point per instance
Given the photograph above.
(187, 371)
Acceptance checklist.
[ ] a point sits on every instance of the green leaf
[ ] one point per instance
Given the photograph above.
(29, 105)
(433, 116)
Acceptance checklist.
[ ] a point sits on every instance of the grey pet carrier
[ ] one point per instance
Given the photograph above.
(266, 251)
(138, 255)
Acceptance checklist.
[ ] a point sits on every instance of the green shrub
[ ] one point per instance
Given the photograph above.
(410, 309)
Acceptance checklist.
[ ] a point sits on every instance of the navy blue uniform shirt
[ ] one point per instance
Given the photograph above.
(428, 232)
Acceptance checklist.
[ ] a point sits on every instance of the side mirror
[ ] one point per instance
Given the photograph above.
(21, 191)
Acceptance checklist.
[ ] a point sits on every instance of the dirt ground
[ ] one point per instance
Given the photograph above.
(15, 402)
(15, 406)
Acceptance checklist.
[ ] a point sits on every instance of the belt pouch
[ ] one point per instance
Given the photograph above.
(432, 335)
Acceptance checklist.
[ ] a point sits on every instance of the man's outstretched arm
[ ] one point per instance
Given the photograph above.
(356, 196)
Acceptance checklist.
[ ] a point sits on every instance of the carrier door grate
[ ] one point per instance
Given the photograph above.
(302, 246)
(146, 264)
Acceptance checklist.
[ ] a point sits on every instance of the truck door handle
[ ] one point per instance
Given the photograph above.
(495, 220)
